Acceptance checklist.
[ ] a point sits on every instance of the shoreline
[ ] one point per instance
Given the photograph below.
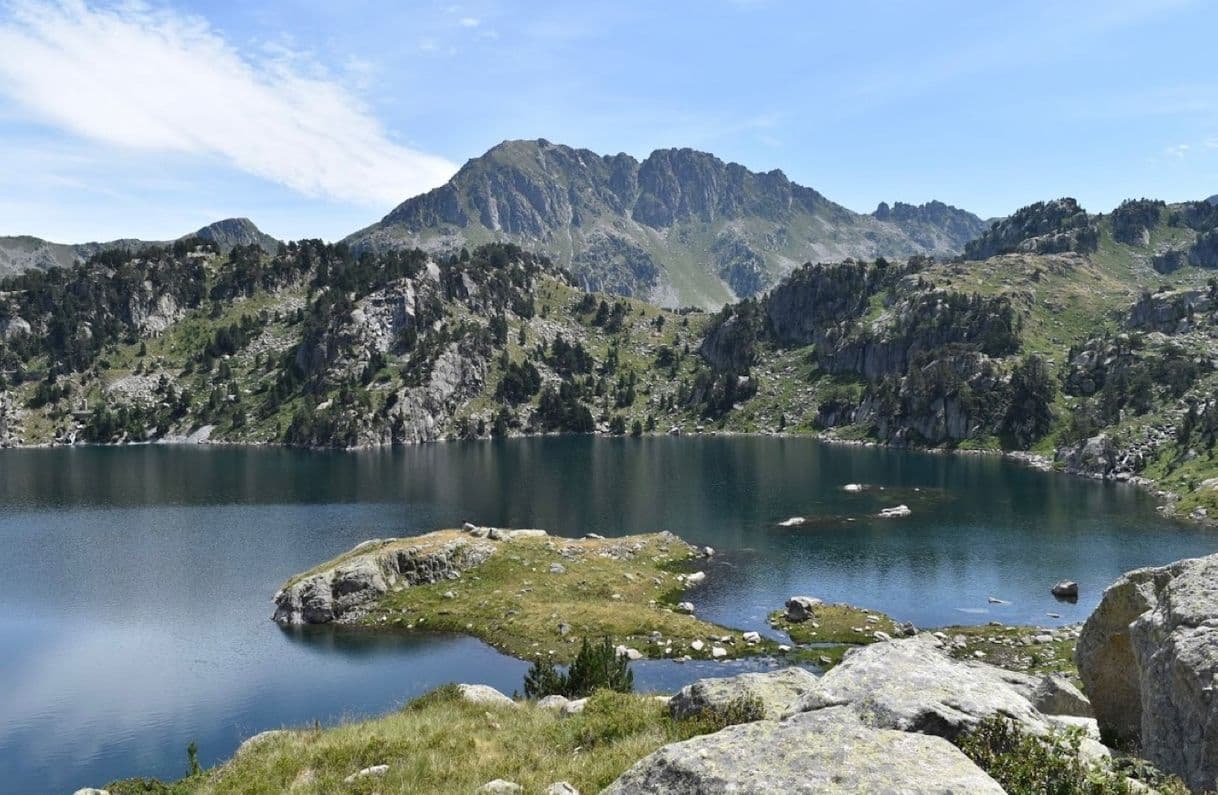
(1166, 499)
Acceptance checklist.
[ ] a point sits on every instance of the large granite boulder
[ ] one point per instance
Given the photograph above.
(828, 751)
(1148, 659)
(775, 692)
(911, 685)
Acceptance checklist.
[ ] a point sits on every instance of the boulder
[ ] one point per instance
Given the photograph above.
(1066, 589)
(1056, 695)
(553, 702)
(485, 694)
(799, 608)
(911, 685)
(1148, 659)
(376, 771)
(825, 752)
(776, 691)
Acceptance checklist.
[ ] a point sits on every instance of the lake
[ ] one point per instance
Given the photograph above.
(136, 583)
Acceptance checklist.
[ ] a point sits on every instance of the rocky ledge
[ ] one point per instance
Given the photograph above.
(344, 588)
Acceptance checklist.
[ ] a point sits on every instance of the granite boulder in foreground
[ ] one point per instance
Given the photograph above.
(881, 721)
(1148, 658)
(828, 751)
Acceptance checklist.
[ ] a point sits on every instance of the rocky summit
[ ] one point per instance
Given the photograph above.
(681, 227)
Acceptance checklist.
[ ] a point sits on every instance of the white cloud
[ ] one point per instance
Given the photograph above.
(150, 79)
(470, 22)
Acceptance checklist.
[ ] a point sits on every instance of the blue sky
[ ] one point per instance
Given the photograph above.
(315, 118)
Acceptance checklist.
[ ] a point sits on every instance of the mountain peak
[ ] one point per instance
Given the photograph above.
(681, 226)
(232, 232)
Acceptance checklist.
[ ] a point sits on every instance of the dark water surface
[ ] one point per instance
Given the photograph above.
(135, 583)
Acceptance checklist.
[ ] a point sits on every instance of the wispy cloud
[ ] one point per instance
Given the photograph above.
(151, 79)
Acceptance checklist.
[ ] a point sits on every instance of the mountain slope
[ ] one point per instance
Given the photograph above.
(679, 227)
(1056, 345)
(23, 252)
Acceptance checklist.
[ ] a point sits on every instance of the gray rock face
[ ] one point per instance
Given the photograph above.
(776, 691)
(1055, 695)
(617, 222)
(362, 576)
(824, 752)
(1148, 657)
(911, 685)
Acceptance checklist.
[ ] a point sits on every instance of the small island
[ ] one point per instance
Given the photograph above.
(525, 592)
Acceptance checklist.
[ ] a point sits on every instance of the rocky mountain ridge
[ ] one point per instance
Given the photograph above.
(678, 227)
(23, 252)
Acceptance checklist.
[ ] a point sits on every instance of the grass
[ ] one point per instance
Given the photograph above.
(1004, 646)
(443, 744)
(625, 589)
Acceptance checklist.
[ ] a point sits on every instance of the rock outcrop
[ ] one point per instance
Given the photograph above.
(773, 692)
(828, 751)
(340, 590)
(1148, 659)
(912, 685)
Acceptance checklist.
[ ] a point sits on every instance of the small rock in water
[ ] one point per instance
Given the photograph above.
(794, 521)
(994, 600)
(1054, 615)
(1066, 589)
(695, 578)
(895, 513)
(594, 536)
(852, 487)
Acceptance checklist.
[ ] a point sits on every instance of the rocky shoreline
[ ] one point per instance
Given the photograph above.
(904, 713)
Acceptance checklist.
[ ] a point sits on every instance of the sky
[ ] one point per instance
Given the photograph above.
(315, 118)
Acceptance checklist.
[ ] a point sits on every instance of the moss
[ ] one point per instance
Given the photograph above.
(1014, 648)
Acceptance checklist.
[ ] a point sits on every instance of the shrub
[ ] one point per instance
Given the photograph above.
(596, 667)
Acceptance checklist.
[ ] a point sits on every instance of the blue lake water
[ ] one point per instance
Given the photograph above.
(135, 583)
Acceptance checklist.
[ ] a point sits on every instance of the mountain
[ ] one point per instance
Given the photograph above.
(1213, 199)
(22, 253)
(1089, 339)
(680, 227)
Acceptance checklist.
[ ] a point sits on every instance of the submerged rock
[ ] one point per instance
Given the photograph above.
(775, 692)
(825, 752)
(1148, 659)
